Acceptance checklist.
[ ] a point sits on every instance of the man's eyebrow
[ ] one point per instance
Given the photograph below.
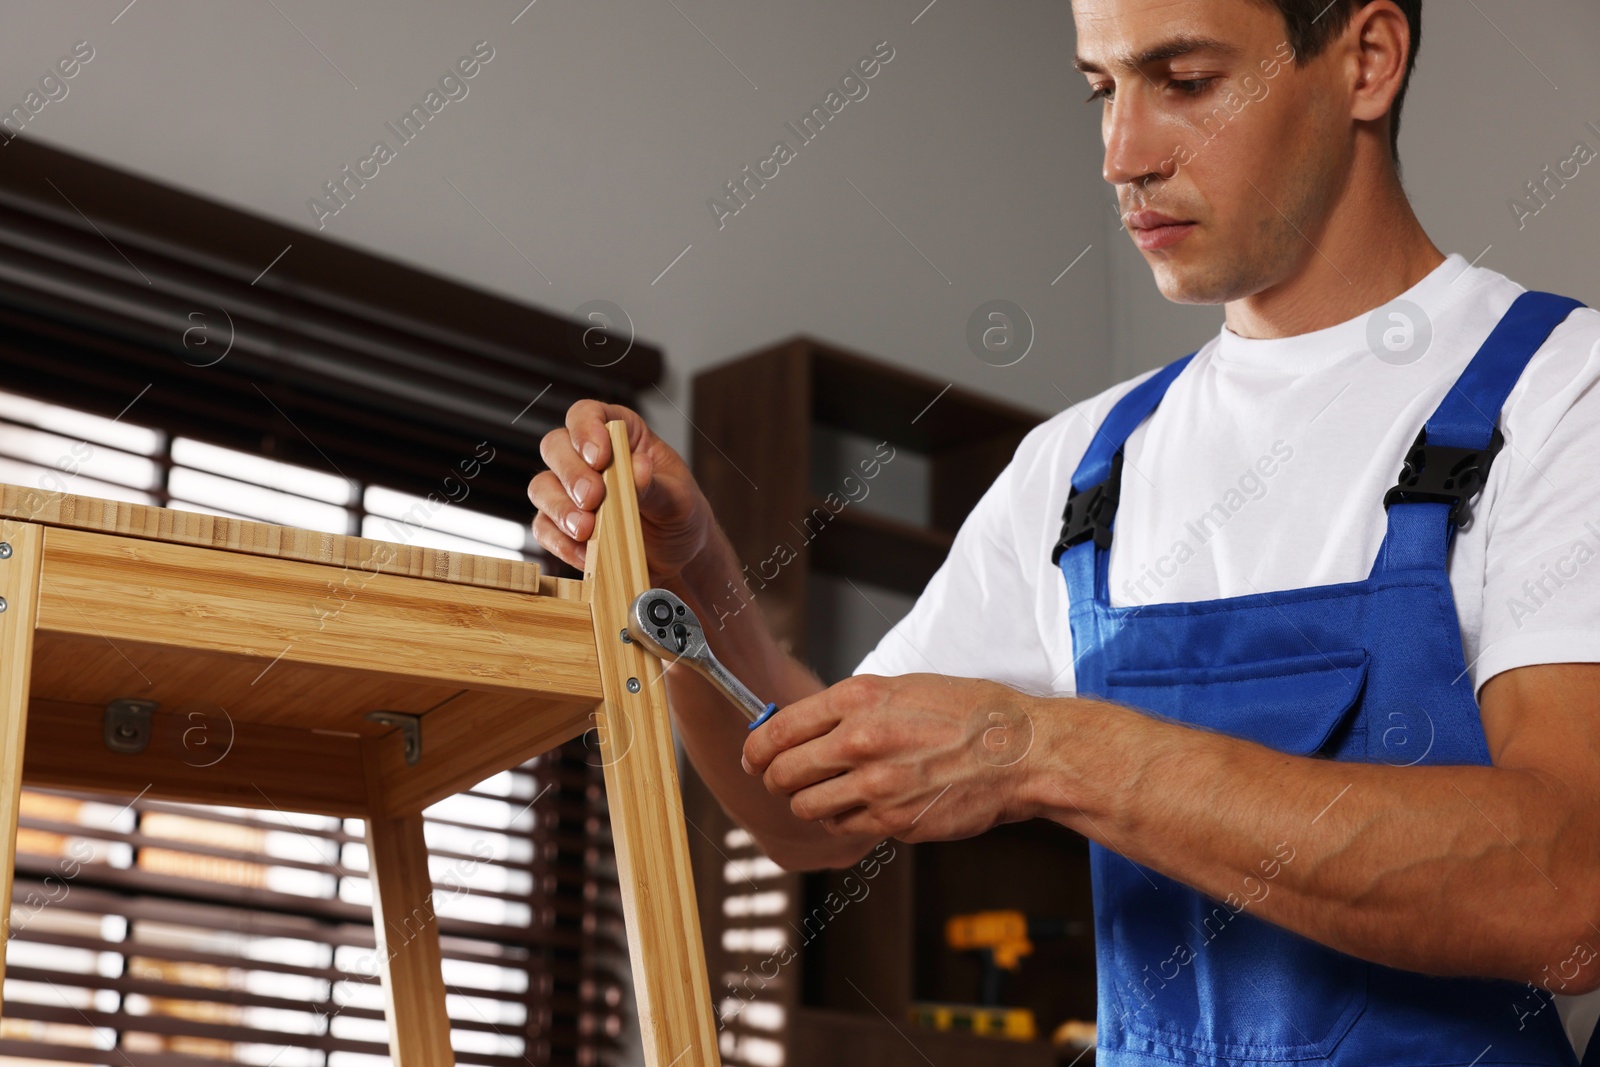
(1172, 48)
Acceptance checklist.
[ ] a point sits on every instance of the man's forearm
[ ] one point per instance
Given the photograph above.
(1447, 870)
(714, 731)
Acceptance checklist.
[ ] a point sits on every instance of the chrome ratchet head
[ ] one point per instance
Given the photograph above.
(663, 624)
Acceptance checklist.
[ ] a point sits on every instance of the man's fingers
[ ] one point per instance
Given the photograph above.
(586, 426)
(804, 766)
(855, 822)
(555, 505)
(582, 483)
(557, 542)
(829, 797)
(802, 721)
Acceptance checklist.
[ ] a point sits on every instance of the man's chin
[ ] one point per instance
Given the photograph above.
(1190, 280)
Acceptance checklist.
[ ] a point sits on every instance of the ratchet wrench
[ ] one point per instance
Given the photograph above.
(664, 625)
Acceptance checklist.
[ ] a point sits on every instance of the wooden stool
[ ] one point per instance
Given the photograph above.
(483, 664)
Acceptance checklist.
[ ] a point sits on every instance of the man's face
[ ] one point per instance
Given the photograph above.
(1210, 125)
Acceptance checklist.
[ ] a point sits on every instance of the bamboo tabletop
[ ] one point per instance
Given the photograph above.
(265, 539)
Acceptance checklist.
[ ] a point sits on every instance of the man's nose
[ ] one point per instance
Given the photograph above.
(1134, 149)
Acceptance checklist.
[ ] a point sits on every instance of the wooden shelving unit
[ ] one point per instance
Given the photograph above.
(474, 666)
(847, 993)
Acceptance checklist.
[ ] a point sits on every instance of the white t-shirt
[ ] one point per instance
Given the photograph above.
(1264, 469)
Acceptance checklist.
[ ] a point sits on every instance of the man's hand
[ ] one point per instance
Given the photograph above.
(687, 552)
(673, 512)
(918, 757)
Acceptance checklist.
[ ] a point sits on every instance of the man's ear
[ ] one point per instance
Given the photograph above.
(1379, 39)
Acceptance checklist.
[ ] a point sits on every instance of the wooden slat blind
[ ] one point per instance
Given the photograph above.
(175, 933)
(114, 287)
(352, 388)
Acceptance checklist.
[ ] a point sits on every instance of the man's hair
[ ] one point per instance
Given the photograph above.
(1313, 24)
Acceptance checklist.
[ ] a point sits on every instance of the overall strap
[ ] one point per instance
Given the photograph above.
(1448, 464)
(1092, 497)
(1096, 486)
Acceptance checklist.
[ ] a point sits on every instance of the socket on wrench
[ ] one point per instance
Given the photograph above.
(663, 624)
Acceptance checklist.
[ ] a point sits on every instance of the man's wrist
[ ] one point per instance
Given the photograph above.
(1054, 779)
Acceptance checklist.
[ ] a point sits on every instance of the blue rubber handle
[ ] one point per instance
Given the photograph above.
(765, 715)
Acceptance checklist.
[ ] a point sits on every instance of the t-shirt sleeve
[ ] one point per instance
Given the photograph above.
(1542, 549)
(975, 618)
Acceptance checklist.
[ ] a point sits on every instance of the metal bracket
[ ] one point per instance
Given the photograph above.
(410, 727)
(127, 725)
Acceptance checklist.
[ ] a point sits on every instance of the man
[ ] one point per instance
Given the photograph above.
(1334, 736)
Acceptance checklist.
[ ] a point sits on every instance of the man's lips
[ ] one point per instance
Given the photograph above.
(1152, 230)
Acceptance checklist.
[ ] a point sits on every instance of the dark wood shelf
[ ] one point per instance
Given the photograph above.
(866, 547)
(870, 397)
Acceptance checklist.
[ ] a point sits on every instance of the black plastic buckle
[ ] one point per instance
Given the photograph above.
(1440, 475)
(1089, 513)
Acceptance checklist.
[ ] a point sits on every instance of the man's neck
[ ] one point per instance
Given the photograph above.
(1372, 250)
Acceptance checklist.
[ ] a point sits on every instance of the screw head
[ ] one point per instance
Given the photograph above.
(5, 549)
(2, 603)
(625, 638)
(633, 685)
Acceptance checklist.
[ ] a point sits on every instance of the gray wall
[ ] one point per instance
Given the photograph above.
(594, 138)
(597, 133)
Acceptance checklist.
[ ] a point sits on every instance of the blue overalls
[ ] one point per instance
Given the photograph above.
(1367, 671)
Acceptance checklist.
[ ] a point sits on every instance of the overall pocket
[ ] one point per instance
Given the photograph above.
(1206, 976)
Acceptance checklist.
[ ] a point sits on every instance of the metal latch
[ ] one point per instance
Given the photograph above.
(410, 727)
(127, 724)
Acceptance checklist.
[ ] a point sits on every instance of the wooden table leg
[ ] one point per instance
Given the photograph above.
(21, 546)
(641, 772)
(408, 943)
